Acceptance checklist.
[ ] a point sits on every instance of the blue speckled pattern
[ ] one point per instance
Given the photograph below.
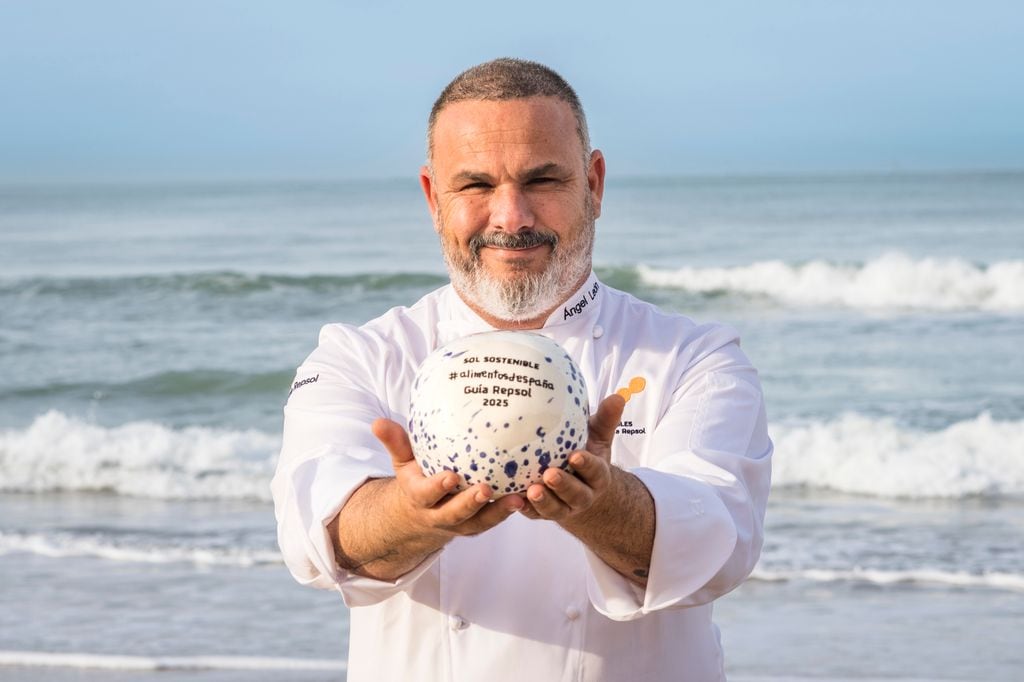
(498, 407)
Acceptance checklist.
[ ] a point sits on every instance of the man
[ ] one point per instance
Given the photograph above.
(608, 574)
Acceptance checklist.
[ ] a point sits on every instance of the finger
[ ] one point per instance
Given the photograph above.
(460, 507)
(473, 507)
(527, 509)
(529, 512)
(603, 423)
(593, 470)
(422, 490)
(495, 512)
(545, 502)
(395, 439)
(573, 492)
(428, 491)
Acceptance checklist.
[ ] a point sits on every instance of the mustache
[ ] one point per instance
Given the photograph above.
(526, 239)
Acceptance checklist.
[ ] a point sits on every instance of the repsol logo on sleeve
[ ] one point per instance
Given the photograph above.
(303, 382)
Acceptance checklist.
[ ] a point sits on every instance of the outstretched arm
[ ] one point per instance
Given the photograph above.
(608, 509)
(389, 525)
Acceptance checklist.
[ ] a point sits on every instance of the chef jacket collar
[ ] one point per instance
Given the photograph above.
(577, 312)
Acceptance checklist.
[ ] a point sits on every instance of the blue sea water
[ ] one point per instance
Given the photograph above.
(148, 334)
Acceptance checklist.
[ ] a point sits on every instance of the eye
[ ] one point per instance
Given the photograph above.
(474, 186)
(543, 180)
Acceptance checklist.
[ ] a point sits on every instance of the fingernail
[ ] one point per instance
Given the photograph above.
(576, 460)
(480, 496)
(538, 497)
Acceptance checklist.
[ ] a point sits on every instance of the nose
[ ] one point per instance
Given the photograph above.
(510, 209)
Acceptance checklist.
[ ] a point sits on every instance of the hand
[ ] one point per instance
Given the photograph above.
(566, 498)
(429, 504)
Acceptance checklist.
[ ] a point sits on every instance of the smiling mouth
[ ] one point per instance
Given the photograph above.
(519, 242)
(515, 248)
(521, 254)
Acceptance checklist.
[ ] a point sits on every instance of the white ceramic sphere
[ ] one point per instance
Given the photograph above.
(498, 408)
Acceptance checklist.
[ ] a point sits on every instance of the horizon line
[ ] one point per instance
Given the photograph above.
(184, 180)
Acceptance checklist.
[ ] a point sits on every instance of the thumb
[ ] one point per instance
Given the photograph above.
(604, 422)
(395, 439)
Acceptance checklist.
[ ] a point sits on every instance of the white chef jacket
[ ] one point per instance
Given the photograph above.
(525, 599)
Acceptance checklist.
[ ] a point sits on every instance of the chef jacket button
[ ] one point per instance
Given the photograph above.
(598, 331)
(572, 613)
(457, 623)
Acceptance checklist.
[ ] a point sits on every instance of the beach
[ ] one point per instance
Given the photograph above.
(149, 335)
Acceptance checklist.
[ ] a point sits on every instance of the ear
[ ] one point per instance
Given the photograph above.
(595, 180)
(427, 185)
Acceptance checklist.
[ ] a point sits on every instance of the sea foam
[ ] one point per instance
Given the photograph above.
(851, 453)
(145, 459)
(861, 455)
(194, 663)
(60, 544)
(892, 281)
(1013, 582)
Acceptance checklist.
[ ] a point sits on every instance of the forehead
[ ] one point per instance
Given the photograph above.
(534, 129)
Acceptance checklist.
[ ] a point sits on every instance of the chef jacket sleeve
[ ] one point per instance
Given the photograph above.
(327, 452)
(708, 469)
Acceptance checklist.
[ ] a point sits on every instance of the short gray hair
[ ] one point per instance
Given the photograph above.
(504, 79)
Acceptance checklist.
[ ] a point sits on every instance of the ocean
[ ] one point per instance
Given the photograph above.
(149, 333)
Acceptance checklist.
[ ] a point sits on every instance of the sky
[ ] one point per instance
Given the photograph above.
(322, 89)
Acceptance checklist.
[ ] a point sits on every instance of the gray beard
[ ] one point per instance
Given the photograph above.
(524, 295)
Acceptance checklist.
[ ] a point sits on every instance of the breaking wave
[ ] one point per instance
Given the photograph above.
(979, 457)
(101, 545)
(892, 281)
(850, 454)
(145, 459)
(220, 283)
(1000, 581)
(163, 663)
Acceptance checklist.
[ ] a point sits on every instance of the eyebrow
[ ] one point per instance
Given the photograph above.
(540, 171)
(470, 176)
(543, 170)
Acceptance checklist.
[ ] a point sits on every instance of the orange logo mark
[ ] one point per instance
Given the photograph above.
(636, 385)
